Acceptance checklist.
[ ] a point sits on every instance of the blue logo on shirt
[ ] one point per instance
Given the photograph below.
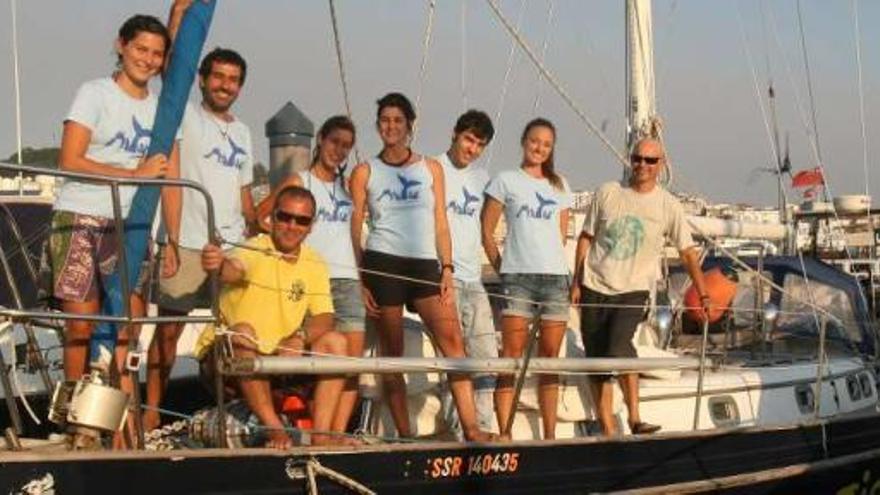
(624, 237)
(341, 210)
(137, 143)
(405, 193)
(464, 207)
(234, 159)
(541, 211)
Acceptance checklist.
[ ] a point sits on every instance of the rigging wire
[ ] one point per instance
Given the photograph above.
(554, 83)
(862, 124)
(548, 28)
(423, 67)
(774, 152)
(777, 161)
(337, 41)
(463, 56)
(803, 39)
(511, 57)
(799, 103)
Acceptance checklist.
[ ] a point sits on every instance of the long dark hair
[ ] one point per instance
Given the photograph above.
(547, 168)
(336, 122)
(142, 23)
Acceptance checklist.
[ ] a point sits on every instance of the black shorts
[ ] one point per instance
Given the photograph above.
(607, 329)
(392, 291)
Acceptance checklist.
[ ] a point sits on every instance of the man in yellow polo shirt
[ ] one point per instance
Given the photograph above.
(268, 289)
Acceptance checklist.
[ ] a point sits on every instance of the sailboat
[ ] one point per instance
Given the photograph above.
(779, 395)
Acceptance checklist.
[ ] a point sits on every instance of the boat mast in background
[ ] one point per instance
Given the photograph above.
(16, 84)
(641, 109)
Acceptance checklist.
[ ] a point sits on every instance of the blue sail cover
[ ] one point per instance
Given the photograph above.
(172, 102)
(817, 271)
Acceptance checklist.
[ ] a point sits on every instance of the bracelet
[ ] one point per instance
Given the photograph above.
(449, 266)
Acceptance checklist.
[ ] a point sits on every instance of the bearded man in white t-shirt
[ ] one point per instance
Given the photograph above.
(618, 261)
(216, 153)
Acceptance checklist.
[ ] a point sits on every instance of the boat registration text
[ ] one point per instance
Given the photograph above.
(457, 466)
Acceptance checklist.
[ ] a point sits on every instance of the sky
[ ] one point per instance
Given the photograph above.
(705, 56)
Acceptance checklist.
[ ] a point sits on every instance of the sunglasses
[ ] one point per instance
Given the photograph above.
(284, 217)
(649, 160)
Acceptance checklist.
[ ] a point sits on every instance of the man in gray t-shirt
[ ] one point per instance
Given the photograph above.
(617, 261)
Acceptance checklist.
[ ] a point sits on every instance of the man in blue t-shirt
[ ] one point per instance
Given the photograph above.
(465, 183)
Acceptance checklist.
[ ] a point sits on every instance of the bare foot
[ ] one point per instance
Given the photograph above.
(279, 440)
(151, 420)
(477, 435)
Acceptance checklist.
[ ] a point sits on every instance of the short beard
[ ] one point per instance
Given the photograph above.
(212, 105)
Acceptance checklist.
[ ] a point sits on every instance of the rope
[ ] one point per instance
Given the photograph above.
(423, 67)
(494, 295)
(511, 56)
(314, 468)
(337, 41)
(554, 83)
(547, 32)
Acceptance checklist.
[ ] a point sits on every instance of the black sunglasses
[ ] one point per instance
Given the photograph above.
(284, 217)
(650, 160)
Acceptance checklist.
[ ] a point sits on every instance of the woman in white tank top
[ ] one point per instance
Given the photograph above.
(409, 237)
(326, 180)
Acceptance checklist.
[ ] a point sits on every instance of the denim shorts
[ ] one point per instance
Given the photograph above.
(348, 305)
(540, 295)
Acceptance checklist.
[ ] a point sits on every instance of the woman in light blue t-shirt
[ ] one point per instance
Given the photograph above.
(535, 201)
(107, 133)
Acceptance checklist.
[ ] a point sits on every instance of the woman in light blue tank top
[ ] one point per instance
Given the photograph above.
(409, 238)
(534, 274)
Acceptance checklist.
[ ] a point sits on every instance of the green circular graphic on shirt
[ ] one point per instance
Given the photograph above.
(625, 236)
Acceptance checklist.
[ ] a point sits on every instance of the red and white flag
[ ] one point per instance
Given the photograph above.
(808, 178)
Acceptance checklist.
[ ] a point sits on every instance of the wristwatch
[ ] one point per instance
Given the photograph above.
(448, 266)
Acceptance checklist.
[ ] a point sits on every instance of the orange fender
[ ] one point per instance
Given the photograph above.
(720, 287)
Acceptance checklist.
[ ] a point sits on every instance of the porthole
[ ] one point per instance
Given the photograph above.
(854, 388)
(805, 398)
(723, 410)
(865, 384)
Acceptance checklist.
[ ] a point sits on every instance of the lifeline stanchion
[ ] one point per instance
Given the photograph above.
(702, 372)
(521, 378)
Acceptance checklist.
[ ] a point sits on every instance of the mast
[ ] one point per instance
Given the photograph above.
(16, 82)
(641, 109)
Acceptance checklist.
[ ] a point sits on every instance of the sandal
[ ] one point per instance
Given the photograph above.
(642, 428)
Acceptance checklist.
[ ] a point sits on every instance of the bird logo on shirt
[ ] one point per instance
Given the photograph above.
(406, 193)
(136, 143)
(623, 237)
(541, 211)
(235, 158)
(341, 209)
(464, 207)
